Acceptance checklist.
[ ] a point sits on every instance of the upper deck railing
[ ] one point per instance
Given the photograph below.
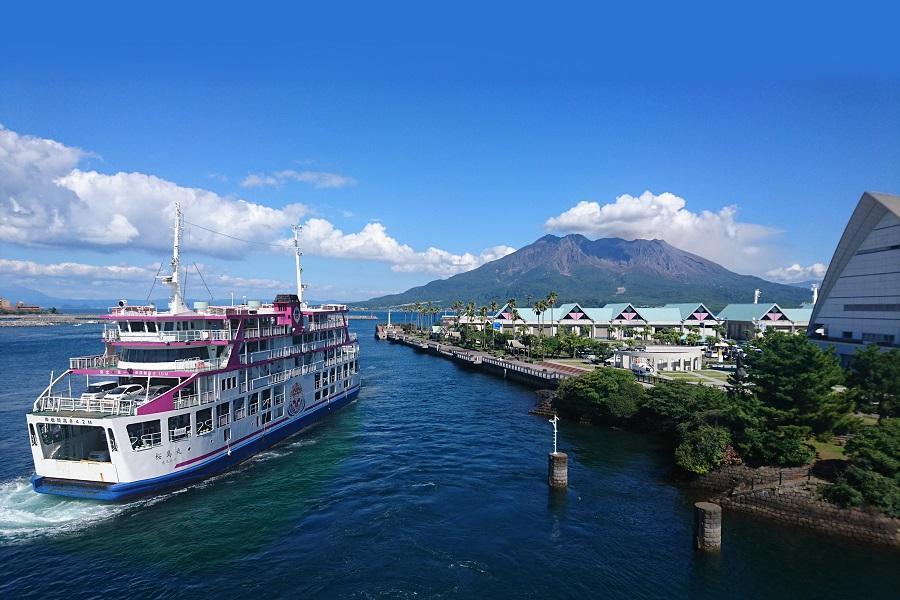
(59, 402)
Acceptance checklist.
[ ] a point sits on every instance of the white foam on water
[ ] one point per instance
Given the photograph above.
(25, 514)
(302, 443)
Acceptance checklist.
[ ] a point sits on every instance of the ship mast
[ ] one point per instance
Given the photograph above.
(297, 255)
(176, 301)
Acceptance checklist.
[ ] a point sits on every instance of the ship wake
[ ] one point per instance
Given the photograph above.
(25, 515)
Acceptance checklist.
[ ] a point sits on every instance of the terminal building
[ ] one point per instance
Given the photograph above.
(859, 302)
(628, 321)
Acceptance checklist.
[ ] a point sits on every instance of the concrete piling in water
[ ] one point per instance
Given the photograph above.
(708, 519)
(558, 464)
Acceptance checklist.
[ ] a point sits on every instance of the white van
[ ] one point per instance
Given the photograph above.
(98, 390)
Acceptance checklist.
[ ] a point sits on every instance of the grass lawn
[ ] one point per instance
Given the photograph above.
(720, 375)
(868, 419)
(827, 450)
(681, 376)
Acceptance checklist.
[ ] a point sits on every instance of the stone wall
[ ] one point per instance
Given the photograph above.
(740, 477)
(800, 506)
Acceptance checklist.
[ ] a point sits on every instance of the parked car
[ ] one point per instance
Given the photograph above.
(642, 370)
(157, 390)
(98, 390)
(124, 392)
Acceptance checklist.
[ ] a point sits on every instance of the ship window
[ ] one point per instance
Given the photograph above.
(254, 404)
(279, 412)
(137, 326)
(145, 434)
(223, 414)
(266, 417)
(33, 434)
(179, 427)
(237, 408)
(226, 434)
(151, 326)
(204, 421)
(112, 440)
(168, 326)
(155, 355)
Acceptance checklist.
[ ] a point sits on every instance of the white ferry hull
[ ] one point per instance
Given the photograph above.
(99, 480)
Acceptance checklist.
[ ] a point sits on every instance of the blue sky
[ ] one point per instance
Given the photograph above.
(463, 130)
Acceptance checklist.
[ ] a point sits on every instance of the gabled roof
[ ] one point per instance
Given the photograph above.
(870, 209)
(662, 315)
(599, 315)
(745, 312)
(689, 308)
(798, 315)
(573, 308)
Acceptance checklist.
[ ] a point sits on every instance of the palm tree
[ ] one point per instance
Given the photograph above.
(483, 311)
(457, 307)
(539, 307)
(551, 302)
(511, 305)
(493, 306)
(417, 307)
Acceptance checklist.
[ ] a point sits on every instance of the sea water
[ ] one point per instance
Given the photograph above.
(431, 485)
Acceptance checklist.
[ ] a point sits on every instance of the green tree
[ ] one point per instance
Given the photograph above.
(874, 381)
(794, 381)
(603, 395)
(873, 476)
(783, 445)
(702, 449)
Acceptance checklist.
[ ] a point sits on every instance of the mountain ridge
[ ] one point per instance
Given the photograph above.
(596, 272)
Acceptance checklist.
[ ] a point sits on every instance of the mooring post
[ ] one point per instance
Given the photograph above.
(558, 463)
(708, 519)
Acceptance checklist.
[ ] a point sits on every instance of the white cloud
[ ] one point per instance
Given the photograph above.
(232, 282)
(373, 243)
(47, 201)
(718, 236)
(317, 179)
(73, 271)
(796, 273)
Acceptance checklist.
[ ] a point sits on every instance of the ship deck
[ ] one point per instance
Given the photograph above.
(74, 414)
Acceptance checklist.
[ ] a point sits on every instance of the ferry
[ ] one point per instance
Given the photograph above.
(181, 394)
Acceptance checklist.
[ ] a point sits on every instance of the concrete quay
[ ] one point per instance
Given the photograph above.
(543, 376)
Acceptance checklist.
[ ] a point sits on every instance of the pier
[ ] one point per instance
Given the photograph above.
(544, 376)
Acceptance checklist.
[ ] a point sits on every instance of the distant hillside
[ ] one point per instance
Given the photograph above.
(595, 272)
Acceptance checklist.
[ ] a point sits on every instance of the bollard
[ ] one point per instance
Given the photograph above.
(709, 526)
(558, 464)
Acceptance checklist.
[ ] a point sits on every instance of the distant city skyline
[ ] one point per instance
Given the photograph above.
(412, 154)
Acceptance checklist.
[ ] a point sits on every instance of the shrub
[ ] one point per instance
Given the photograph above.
(843, 494)
(702, 449)
(784, 445)
(604, 394)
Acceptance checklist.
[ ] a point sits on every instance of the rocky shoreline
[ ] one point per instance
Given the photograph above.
(44, 320)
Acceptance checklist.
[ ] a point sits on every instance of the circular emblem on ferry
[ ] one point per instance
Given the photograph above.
(298, 403)
(298, 316)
